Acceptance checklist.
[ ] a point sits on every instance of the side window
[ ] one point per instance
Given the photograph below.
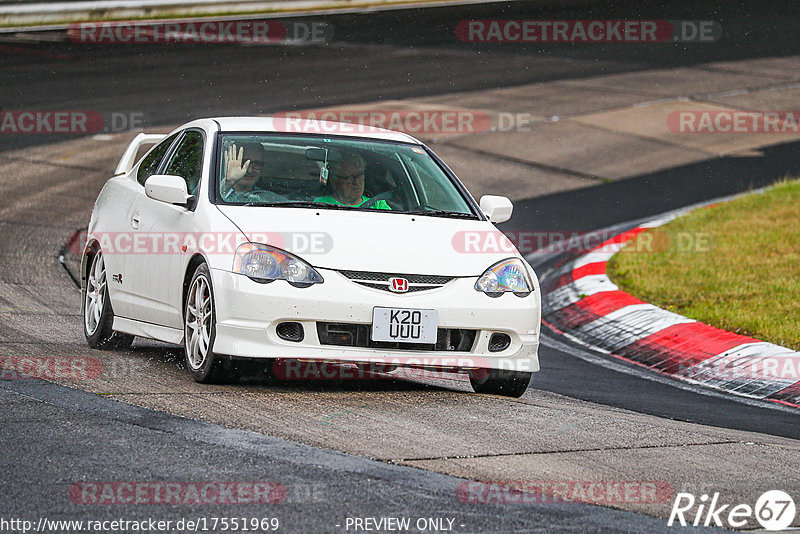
(187, 161)
(150, 163)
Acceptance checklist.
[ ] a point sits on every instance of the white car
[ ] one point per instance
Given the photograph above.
(241, 238)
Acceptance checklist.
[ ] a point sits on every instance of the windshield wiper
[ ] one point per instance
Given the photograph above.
(295, 204)
(441, 213)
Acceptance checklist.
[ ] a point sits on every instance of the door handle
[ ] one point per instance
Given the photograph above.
(135, 220)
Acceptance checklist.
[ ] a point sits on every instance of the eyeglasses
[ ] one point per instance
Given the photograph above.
(257, 164)
(354, 176)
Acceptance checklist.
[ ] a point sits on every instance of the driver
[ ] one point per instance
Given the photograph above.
(242, 169)
(348, 184)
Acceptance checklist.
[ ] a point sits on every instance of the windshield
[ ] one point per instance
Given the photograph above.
(335, 173)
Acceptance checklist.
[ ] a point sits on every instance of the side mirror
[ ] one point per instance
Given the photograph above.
(497, 209)
(167, 188)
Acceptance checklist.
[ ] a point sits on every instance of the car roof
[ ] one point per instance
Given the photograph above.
(302, 126)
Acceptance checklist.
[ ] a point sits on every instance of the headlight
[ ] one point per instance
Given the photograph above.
(505, 276)
(264, 263)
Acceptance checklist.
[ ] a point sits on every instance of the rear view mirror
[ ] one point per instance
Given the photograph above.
(497, 209)
(324, 154)
(167, 188)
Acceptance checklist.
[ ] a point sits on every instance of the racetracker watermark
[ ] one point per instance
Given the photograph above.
(547, 242)
(177, 493)
(390, 368)
(68, 122)
(607, 492)
(50, 368)
(734, 122)
(588, 31)
(70, 367)
(735, 367)
(207, 242)
(202, 31)
(420, 121)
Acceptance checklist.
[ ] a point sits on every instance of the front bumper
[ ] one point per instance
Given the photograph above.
(247, 314)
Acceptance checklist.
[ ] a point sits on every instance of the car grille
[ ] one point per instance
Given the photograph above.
(416, 282)
(358, 335)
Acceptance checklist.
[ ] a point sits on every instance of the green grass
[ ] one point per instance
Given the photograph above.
(735, 265)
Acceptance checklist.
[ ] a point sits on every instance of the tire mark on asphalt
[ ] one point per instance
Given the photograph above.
(656, 140)
(50, 163)
(564, 451)
(42, 194)
(532, 164)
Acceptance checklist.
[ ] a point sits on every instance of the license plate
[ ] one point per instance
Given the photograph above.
(404, 325)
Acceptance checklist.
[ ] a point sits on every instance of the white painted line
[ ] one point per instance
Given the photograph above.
(661, 221)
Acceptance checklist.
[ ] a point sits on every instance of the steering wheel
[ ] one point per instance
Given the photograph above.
(371, 202)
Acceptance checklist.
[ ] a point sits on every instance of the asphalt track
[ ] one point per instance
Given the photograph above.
(378, 56)
(79, 436)
(105, 440)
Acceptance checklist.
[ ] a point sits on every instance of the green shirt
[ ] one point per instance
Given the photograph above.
(379, 205)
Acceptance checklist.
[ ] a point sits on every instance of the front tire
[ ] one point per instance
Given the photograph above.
(98, 315)
(200, 330)
(500, 382)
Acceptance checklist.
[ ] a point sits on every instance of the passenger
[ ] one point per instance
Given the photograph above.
(348, 184)
(241, 171)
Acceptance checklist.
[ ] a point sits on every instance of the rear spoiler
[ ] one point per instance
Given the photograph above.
(128, 159)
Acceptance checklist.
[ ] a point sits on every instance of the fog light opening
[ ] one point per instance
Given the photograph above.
(290, 332)
(499, 342)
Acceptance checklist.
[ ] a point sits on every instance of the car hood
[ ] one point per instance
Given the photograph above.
(378, 242)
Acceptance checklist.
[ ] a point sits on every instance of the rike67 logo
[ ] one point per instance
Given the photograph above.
(774, 510)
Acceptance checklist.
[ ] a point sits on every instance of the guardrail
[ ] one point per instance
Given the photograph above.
(64, 11)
